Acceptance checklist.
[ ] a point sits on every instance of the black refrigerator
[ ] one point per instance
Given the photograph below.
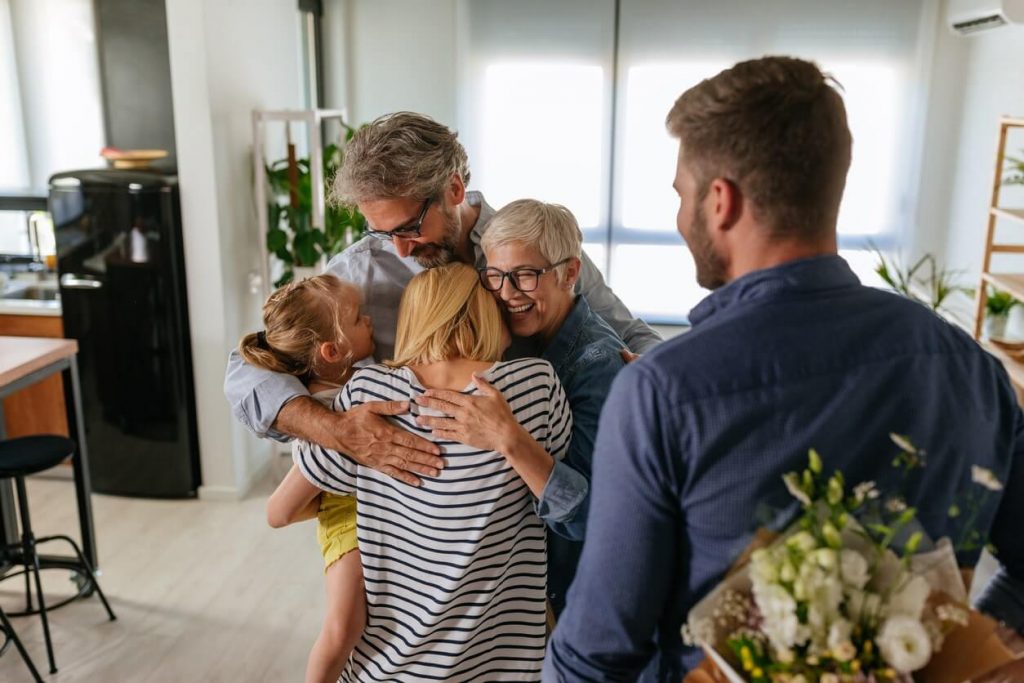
(122, 285)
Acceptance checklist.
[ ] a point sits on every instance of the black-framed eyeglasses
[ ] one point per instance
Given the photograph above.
(523, 279)
(405, 232)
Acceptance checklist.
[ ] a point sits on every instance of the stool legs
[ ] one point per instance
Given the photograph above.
(91, 574)
(28, 544)
(21, 648)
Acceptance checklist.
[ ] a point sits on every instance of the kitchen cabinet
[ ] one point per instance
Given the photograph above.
(39, 408)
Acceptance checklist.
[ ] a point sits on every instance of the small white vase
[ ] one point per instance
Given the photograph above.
(995, 326)
(1015, 324)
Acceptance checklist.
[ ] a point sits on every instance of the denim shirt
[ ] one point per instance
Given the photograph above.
(257, 395)
(696, 435)
(586, 358)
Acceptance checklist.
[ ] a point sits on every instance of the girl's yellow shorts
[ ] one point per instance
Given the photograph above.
(336, 527)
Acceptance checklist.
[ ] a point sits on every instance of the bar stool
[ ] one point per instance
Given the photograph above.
(19, 458)
(11, 636)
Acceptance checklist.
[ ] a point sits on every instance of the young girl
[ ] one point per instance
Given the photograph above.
(314, 330)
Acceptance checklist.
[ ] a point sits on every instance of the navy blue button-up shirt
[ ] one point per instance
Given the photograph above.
(695, 437)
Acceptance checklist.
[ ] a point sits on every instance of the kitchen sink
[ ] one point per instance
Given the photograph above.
(31, 292)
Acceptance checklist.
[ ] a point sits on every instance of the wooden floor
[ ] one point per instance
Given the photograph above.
(203, 591)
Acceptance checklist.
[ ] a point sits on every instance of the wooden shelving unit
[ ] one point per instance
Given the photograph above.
(1007, 282)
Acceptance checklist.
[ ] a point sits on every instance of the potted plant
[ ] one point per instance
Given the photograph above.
(924, 281)
(291, 236)
(1014, 171)
(997, 312)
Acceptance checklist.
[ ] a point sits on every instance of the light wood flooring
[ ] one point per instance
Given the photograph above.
(203, 591)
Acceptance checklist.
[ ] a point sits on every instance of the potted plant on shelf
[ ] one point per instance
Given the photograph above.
(1014, 171)
(291, 237)
(997, 312)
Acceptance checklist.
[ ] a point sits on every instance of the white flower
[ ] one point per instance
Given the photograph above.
(895, 505)
(778, 609)
(839, 641)
(865, 490)
(799, 678)
(986, 478)
(792, 481)
(763, 569)
(863, 606)
(903, 442)
(828, 678)
(802, 541)
(854, 568)
(904, 644)
(826, 558)
(909, 599)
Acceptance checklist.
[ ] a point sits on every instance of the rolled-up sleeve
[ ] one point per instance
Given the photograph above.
(257, 395)
(560, 501)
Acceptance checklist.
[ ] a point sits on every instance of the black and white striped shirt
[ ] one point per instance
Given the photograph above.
(455, 568)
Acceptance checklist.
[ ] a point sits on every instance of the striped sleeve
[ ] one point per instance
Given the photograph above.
(326, 469)
(559, 432)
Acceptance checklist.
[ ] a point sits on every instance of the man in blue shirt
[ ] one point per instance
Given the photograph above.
(789, 352)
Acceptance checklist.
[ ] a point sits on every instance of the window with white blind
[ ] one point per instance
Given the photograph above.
(565, 101)
(50, 105)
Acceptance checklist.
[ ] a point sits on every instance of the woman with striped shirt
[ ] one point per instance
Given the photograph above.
(454, 569)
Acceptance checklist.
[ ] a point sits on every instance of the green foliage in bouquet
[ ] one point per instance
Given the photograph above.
(291, 237)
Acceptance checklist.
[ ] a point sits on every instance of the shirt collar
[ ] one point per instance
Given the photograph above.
(565, 340)
(815, 273)
(483, 220)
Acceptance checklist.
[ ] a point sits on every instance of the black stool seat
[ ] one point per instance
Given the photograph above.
(30, 454)
(19, 458)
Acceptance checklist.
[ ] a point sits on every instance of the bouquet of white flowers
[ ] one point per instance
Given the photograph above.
(839, 599)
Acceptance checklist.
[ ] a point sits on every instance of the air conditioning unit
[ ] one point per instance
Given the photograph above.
(972, 16)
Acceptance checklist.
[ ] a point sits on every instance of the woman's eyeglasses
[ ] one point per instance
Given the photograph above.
(523, 279)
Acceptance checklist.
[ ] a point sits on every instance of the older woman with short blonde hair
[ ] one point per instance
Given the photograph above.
(533, 252)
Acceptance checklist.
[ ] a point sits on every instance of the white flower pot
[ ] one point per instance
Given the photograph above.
(1015, 324)
(995, 326)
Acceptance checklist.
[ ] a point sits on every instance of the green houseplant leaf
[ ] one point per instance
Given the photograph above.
(291, 236)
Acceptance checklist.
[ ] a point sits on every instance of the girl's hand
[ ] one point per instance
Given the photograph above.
(483, 421)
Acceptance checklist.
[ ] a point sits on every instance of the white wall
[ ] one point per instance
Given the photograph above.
(227, 58)
(992, 85)
(396, 55)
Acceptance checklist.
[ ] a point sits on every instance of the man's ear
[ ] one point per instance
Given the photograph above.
(456, 192)
(572, 272)
(722, 204)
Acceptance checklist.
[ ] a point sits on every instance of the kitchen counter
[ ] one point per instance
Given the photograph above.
(30, 307)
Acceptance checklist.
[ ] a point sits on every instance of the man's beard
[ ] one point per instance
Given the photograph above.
(434, 254)
(710, 267)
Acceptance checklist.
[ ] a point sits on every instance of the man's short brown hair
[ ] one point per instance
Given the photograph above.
(775, 127)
